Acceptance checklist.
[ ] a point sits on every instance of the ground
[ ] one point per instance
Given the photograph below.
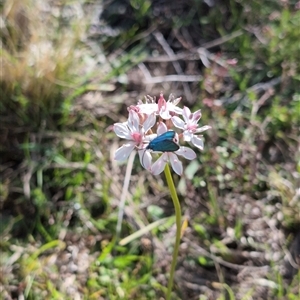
(69, 72)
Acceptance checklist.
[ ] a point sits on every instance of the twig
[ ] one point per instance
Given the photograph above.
(168, 78)
(192, 54)
(124, 193)
(259, 87)
(146, 72)
(26, 181)
(222, 39)
(261, 101)
(202, 251)
(178, 78)
(161, 40)
(265, 86)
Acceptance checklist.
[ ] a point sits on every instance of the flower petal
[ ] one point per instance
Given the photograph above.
(149, 123)
(161, 128)
(186, 152)
(148, 108)
(165, 114)
(186, 114)
(122, 131)
(174, 101)
(203, 128)
(178, 110)
(178, 122)
(197, 116)
(159, 165)
(187, 136)
(148, 138)
(123, 152)
(197, 142)
(175, 163)
(145, 159)
(133, 121)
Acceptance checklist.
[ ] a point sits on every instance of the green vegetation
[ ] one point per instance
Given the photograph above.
(66, 78)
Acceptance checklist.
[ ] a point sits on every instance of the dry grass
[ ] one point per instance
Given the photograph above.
(40, 55)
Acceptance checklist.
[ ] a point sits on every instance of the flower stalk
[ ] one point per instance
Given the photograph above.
(178, 228)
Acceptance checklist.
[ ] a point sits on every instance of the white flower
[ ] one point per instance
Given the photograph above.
(139, 131)
(165, 109)
(135, 134)
(190, 127)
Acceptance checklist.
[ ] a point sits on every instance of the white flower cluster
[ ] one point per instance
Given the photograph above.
(139, 132)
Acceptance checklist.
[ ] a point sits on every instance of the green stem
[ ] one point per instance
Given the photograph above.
(178, 228)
